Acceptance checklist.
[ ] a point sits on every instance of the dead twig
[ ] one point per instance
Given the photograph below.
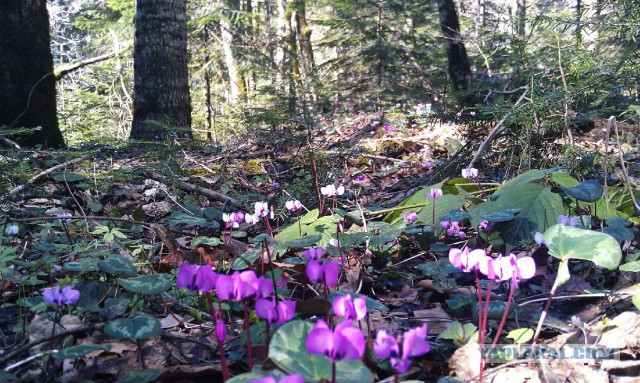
(33, 179)
(497, 129)
(189, 187)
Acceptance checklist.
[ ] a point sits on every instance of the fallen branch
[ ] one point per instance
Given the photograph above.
(497, 129)
(63, 70)
(195, 189)
(46, 172)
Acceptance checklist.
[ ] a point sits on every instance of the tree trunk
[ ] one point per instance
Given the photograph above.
(27, 83)
(521, 15)
(237, 87)
(459, 68)
(293, 67)
(306, 49)
(162, 101)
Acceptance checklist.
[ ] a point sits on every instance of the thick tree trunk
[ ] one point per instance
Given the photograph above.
(27, 83)
(162, 102)
(459, 68)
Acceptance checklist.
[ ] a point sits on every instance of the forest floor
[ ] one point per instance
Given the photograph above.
(153, 204)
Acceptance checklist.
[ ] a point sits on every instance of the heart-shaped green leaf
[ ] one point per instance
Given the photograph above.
(209, 241)
(262, 237)
(288, 350)
(565, 242)
(75, 352)
(139, 327)
(303, 242)
(118, 265)
(114, 307)
(631, 266)
(82, 265)
(501, 216)
(147, 284)
(588, 191)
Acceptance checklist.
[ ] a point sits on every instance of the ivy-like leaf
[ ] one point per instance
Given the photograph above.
(78, 351)
(118, 265)
(565, 242)
(147, 284)
(138, 327)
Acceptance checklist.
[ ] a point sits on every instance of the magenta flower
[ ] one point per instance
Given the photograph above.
(520, 268)
(282, 313)
(453, 228)
(485, 226)
(344, 343)
(388, 128)
(196, 278)
(313, 253)
(221, 328)
(427, 165)
(345, 307)
(465, 259)
(410, 217)
(237, 286)
(414, 343)
(293, 205)
(265, 288)
(296, 378)
(470, 173)
(232, 220)
(187, 276)
(435, 193)
(326, 272)
(67, 296)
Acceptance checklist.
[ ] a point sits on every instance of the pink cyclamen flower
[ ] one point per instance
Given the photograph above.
(465, 259)
(331, 190)
(388, 128)
(237, 286)
(435, 193)
(485, 226)
(261, 209)
(196, 278)
(232, 220)
(344, 343)
(414, 343)
(251, 218)
(293, 205)
(313, 253)
(521, 268)
(410, 217)
(53, 295)
(296, 378)
(454, 229)
(567, 220)
(356, 309)
(470, 173)
(326, 272)
(427, 165)
(221, 328)
(282, 313)
(265, 288)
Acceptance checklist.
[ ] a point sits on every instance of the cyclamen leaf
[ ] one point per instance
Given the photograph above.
(78, 351)
(147, 284)
(139, 327)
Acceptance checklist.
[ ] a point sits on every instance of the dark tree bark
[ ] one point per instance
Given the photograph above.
(27, 83)
(459, 68)
(162, 101)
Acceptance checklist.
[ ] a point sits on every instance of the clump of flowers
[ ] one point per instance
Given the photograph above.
(345, 342)
(567, 220)
(233, 220)
(411, 344)
(196, 278)
(331, 191)
(495, 269)
(453, 228)
(410, 217)
(55, 296)
(470, 173)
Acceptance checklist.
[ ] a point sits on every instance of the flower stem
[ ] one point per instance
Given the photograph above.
(268, 327)
(223, 359)
(396, 376)
(326, 303)
(333, 372)
(543, 316)
(504, 318)
(248, 331)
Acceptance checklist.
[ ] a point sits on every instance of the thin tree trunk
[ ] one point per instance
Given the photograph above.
(521, 15)
(459, 68)
(27, 82)
(237, 87)
(293, 67)
(306, 49)
(161, 83)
